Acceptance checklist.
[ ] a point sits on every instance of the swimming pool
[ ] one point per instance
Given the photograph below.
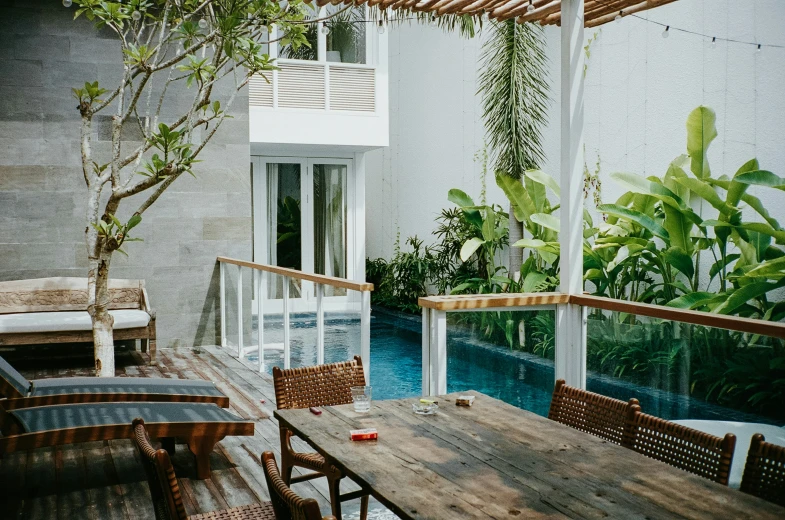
(516, 378)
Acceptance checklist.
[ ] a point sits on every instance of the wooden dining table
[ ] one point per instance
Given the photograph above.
(493, 460)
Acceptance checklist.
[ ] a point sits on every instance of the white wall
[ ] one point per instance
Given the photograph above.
(639, 90)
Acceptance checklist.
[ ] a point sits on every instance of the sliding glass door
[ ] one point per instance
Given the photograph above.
(303, 219)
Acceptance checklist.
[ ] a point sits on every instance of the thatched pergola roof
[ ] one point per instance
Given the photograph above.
(546, 12)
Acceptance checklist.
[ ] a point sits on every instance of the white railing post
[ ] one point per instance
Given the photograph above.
(239, 312)
(260, 318)
(222, 289)
(570, 359)
(286, 339)
(365, 334)
(438, 325)
(426, 352)
(319, 324)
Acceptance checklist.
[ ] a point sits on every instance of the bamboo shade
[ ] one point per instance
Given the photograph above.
(545, 12)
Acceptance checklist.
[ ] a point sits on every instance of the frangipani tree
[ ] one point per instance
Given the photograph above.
(204, 51)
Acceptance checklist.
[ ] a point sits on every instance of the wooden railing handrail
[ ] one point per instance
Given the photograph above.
(478, 302)
(299, 275)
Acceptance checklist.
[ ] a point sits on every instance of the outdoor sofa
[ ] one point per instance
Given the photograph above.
(54, 310)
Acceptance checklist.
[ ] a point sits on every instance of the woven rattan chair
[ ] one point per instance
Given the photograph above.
(764, 473)
(592, 413)
(321, 385)
(691, 450)
(165, 492)
(287, 505)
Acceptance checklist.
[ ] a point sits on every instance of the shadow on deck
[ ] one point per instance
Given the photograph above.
(105, 480)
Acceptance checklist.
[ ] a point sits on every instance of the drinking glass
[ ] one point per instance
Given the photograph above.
(361, 395)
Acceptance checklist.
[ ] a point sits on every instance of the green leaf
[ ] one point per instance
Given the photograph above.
(736, 189)
(544, 179)
(638, 184)
(721, 264)
(701, 131)
(546, 220)
(134, 221)
(742, 295)
(679, 228)
(692, 300)
(707, 193)
(469, 248)
(679, 259)
(637, 217)
(460, 198)
(760, 242)
(760, 227)
(532, 280)
(522, 204)
(771, 269)
(489, 225)
(761, 178)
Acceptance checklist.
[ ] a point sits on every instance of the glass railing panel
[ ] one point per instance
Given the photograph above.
(341, 326)
(396, 354)
(508, 355)
(684, 371)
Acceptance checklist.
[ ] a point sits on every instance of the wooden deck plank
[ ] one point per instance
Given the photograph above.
(105, 480)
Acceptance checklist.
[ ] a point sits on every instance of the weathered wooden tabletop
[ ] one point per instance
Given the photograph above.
(497, 461)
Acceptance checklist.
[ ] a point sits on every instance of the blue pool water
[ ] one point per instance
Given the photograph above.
(517, 378)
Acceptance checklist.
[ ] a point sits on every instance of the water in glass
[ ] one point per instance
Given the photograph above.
(362, 398)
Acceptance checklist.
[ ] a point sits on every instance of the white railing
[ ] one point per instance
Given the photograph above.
(570, 360)
(316, 85)
(262, 272)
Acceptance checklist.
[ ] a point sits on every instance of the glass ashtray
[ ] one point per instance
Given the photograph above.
(425, 409)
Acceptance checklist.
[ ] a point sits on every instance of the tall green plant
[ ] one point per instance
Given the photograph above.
(514, 89)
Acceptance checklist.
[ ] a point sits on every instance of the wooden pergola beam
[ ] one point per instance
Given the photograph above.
(545, 12)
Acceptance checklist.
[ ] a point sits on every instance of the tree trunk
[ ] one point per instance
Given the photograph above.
(103, 322)
(516, 253)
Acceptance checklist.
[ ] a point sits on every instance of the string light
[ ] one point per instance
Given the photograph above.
(713, 42)
(618, 16)
(67, 3)
(530, 8)
(202, 23)
(759, 49)
(325, 29)
(136, 15)
(666, 32)
(380, 28)
(485, 16)
(434, 21)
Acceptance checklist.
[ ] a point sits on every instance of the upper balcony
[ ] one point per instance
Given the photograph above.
(332, 93)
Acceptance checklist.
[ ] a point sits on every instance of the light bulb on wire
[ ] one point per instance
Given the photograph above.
(759, 48)
(67, 3)
(666, 32)
(530, 7)
(713, 43)
(202, 23)
(325, 29)
(618, 16)
(380, 28)
(485, 17)
(434, 21)
(136, 15)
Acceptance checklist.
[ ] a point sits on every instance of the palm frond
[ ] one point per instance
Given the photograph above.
(515, 92)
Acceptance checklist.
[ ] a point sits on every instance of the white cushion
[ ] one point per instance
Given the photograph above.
(64, 321)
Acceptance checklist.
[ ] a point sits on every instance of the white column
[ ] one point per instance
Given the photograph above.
(570, 349)
(426, 351)
(319, 324)
(240, 353)
(222, 284)
(260, 317)
(365, 334)
(286, 338)
(438, 323)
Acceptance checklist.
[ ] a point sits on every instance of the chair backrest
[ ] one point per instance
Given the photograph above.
(592, 413)
(12, 383)
(320, 385)
(64, 294)
(686, 448)
(167, 501)
(286, 504)
(764, 473)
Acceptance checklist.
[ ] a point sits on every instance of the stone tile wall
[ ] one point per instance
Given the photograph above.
(43, 54)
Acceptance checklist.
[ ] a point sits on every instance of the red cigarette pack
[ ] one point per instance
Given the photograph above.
(368, 434)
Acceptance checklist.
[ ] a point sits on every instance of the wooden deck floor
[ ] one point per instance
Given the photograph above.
(105, 480)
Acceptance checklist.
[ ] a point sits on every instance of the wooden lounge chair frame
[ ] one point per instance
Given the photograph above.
(201, 437)
(764, 472)
(320, 385)
(165, 492)
(17, 400)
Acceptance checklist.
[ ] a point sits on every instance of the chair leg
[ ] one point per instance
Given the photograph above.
(335, 496)
(364, 507)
